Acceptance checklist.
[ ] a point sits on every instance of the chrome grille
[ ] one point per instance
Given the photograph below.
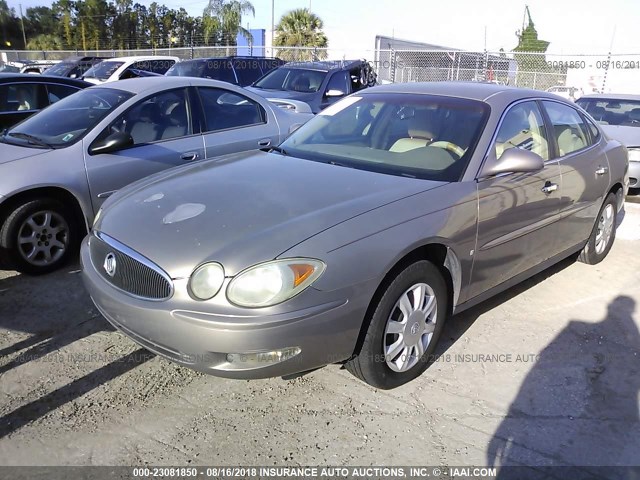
(133, 273)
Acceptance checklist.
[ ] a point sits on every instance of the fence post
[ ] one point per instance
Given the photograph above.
(393, 66)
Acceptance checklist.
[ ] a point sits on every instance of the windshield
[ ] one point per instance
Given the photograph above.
(418, 136)
(292, 79)
(9, 68)
(68, 120)
(612, 112)
(103, 70)
(59, 69)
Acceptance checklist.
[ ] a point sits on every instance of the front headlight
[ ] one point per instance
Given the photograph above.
(634, 154)
(273, 282)
(206, 281)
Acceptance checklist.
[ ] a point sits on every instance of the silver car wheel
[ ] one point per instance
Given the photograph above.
(43, 238)
(605, 229)
(410, 327)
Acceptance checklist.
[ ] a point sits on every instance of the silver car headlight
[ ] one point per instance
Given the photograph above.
(273, 282)
(634, 154)
(206, 281)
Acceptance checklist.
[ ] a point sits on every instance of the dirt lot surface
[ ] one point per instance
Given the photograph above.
(547, 373)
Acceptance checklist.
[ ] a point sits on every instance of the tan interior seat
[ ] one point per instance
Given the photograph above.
(569, 142)
(418, 136)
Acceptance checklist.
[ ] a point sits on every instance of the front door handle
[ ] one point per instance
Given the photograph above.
(549, 188)
(189, 156)
(602, 171)
(264, 142)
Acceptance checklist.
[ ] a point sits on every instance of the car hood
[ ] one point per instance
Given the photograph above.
(628, 136)
(243, 209)
(302, 96)
(11, 153)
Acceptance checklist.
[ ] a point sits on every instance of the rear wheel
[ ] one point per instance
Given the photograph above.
(603, 234)
(403, 329)
(38, 237)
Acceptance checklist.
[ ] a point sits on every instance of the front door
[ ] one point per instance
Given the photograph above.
(517, 212)
(162, 130)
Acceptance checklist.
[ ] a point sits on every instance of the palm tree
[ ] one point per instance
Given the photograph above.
(300, 28)
(222, 21)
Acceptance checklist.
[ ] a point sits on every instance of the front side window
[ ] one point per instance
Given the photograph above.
(224, 109)
(67, 121)
(22, 97)
(292, 79)
(522, 127)
(568, 128)
(417, 136)
(161, 117)
(339, 82)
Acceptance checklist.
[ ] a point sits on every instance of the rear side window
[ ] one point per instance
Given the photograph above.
(224, 109)
(568, 127)
(56, 93)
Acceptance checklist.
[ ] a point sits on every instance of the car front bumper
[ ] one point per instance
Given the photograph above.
(187, 332)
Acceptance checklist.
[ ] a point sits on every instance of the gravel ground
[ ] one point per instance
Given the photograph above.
(545, 374)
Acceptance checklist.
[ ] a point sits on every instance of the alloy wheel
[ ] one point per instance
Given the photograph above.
(43, 238)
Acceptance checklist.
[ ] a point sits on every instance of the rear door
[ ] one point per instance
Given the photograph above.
(584, 169)
(234, 123)
(162, 128)
(518, 213)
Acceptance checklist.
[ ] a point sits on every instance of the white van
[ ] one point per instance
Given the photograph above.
(113, 69)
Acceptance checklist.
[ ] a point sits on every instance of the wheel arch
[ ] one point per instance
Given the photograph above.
(12, 201)
(436, 252)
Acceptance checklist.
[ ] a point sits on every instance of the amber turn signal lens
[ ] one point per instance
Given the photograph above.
(301, 272)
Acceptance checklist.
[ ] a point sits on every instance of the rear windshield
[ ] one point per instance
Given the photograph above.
(612, 112)
(103, 70)
(59, 69)
(292, 79)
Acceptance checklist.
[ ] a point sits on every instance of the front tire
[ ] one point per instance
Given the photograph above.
(403, 329)
(603, 234)
(38, 237)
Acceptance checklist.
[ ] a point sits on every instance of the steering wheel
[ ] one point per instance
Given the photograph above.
(452, 147)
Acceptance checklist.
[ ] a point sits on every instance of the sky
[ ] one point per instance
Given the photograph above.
(572, 26)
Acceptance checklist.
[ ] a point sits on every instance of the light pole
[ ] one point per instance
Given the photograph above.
(273, 23)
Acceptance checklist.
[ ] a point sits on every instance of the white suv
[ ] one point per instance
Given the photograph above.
(113, 69)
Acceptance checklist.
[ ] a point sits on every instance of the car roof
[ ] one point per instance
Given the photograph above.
(141, 85)
(612, 96)
(30, 78)
(471, 90)
(324, 65)
(141, 57)
(230, 57)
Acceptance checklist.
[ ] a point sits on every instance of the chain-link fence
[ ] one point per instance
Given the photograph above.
(586, 73)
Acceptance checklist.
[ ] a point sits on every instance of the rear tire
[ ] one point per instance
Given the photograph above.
(603, 234)
(38, 237)
(403, 329)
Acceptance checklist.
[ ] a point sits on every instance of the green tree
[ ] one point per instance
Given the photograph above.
(300, 28)
(45, 41)
(222, 20)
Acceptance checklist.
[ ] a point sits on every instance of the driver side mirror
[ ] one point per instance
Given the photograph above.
(335, 93)
(112, 143)
(512, 160)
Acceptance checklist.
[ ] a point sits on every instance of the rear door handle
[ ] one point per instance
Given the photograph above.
(189, 156)
(264, 142)
(549, 188)
(602, 171)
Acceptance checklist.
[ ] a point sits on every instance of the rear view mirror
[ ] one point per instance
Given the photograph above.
(112, 143)
(512, 160)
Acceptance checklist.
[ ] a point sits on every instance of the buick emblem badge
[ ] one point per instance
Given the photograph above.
(110, 264)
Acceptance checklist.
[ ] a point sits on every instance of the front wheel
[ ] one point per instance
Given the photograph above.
(38, 236)
(403, 329)
(603, 234)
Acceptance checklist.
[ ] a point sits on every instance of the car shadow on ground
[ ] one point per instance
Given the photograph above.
(578, 405)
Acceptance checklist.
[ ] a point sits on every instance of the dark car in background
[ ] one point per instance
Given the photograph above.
(73, 67)
(242, 71)
(619, 116)
(318, 84)
(22, 95)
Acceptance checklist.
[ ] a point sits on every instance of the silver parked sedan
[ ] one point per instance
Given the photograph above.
(355, 239)
(58, 166)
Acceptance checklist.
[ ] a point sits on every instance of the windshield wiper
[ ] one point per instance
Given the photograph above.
(32, 139)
